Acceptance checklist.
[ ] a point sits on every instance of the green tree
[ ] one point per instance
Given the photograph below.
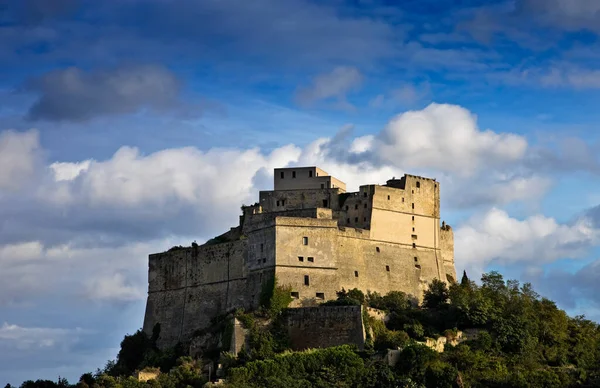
(436, 295)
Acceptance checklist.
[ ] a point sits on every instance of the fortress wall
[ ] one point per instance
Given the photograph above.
(299, 199)
(188, 287)
(404, 273)
(356, 210)
(320, 327)
(447, 246)
(398, 227)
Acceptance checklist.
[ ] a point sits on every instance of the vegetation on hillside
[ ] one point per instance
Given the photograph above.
(522, 340)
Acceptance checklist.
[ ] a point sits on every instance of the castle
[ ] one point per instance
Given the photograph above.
(311, 235)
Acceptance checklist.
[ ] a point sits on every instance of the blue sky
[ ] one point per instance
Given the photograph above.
(130, 126)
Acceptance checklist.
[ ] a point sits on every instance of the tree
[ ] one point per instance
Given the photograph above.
(436, 295)
(465, 282)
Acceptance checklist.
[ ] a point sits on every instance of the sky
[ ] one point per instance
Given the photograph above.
(130, 126)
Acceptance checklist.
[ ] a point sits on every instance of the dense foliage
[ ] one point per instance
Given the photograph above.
(515, 339)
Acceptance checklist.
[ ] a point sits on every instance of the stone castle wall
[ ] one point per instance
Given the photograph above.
(321, 327)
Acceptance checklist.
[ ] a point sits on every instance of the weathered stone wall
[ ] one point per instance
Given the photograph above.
(188, 287)
(447, 245)
(282, 200)
(321, 327)
(303, 178)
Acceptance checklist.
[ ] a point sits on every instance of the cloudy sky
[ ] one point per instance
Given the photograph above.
(130, 126)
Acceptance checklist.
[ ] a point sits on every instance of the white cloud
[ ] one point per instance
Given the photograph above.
(496, 237)
(18, 157)
(336, 84)
(64, 171)
(114, 288)
(29, 338)
(446, 138)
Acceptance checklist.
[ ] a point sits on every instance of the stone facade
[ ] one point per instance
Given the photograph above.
(312, 236)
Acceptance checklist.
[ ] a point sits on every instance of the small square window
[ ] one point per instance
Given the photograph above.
(304, 240)
(377, 249)
(365, 205)
(311, 259)
(306, 280)
(416, 259)
(356, 207)
(277, 203)
(258, 261)
(413, 228)
(355, 219)
(418, 185)
(388, 197)
(324, 203)
(413, 205)
(346, 208)
(261, 247)
(355, 274)
(365, 194)
(264, 259)
(283, 202)
(417, 266)
(295, 295)
(320, 295)
(414, 245)
(282, 175)
(413, 236)
(365, 219)
(322, 185)
(413, 218)
(310, 174)
(402, 199)
(300, 258)
(387, 268)
(293, 174)
(347, 220)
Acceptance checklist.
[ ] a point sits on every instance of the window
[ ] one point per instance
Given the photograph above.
(435, 186)
(306, 280)
(365, 205)
(377, 249)
(417, 266)
(388, 197)
(416, 259)
(413, 218)
(277, 203)
(355, 274)
(293, 174)
(320, 295)
(365, 194)
(413, 191)
(347, 220)
(413, 205)
(355, 219)
(413, 228)
(413, 236)
(258, 261)
(418, 185)
(311, 259)
(283, 202)
(310, 174)
(322, 185)
(300, 258)
(282, 175)
(261, 248)
(387, 268)
(414, 245)
(356, 207)
(295, 295)
(346, 208)
(304, 240)
(402, 199)
(365, 219)
(264, 259)
(324, 203)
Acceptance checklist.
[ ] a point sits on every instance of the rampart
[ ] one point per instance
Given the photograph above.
(321, 327)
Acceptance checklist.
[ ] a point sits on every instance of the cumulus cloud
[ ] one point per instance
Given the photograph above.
(25, 338)
(73, 94)
(336, 84)
(496, 237)
(446, 138)
(115, 288)
(18, 158)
